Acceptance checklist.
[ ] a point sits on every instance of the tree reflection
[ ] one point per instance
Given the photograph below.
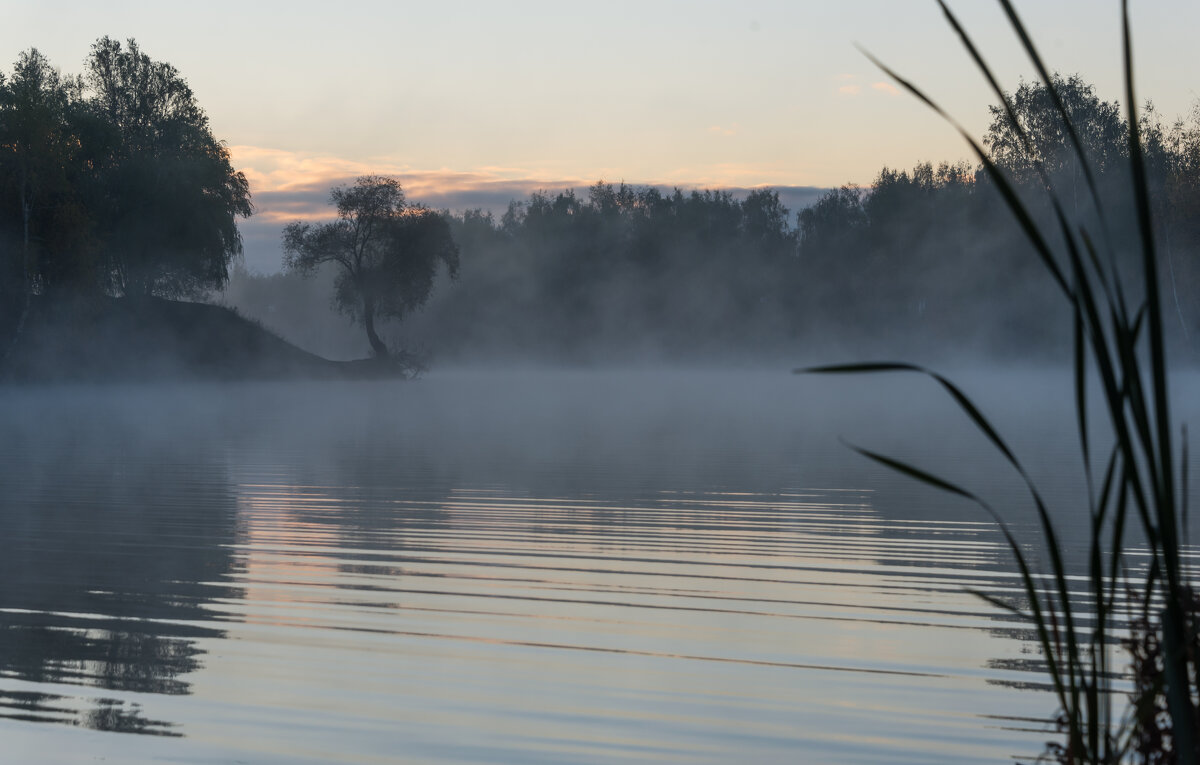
(114, 540)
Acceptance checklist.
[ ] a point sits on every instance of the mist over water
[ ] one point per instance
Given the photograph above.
(522, 565)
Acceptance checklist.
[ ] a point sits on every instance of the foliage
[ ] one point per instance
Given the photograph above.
(1121, 344)
(388, 251)
(1036, 141)
(171, 197)
(39, 198)
(112, 181)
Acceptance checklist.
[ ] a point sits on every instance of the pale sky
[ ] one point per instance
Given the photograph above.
(469, 99)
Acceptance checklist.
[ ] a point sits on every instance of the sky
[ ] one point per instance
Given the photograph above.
(471, 104)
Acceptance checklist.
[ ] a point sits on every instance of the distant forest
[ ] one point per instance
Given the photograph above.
(924, 261)
(112, 185)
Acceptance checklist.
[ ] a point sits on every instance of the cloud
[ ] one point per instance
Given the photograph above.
(885, 87)
(437, 190)
(723, 131)
(848, 87)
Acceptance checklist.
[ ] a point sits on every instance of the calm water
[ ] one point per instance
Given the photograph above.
(514, 567)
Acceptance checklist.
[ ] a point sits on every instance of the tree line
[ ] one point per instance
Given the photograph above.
(926, 256)
(624, 268)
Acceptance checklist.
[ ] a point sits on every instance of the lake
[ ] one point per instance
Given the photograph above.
(519, 566)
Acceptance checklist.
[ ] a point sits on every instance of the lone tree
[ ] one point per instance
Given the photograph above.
(388, 251)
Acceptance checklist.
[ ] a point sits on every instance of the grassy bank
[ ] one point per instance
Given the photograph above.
(108, 339)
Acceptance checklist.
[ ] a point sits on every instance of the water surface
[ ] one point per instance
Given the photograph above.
(515, 567)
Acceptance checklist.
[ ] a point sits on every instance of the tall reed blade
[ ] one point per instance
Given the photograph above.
(1125, 351)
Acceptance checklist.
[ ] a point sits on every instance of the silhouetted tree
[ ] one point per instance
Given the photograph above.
(388, 251)
(171, 197)
(1100, 127)
(1183, 180)
(41, 210)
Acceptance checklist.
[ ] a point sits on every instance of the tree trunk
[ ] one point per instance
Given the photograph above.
(26, 273)
(378, 349)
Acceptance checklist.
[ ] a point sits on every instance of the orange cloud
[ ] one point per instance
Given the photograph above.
(885, 87)
(850, 90)
(291, 186)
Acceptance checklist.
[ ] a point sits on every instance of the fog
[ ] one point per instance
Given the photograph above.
(553, 433)
(562, 431)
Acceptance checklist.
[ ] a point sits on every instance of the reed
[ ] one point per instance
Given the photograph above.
(1143, 707)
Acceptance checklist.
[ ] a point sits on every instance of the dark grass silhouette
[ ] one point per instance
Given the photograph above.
(140, 339)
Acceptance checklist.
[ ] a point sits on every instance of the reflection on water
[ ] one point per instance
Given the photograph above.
(99, 570)
(496, 568)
